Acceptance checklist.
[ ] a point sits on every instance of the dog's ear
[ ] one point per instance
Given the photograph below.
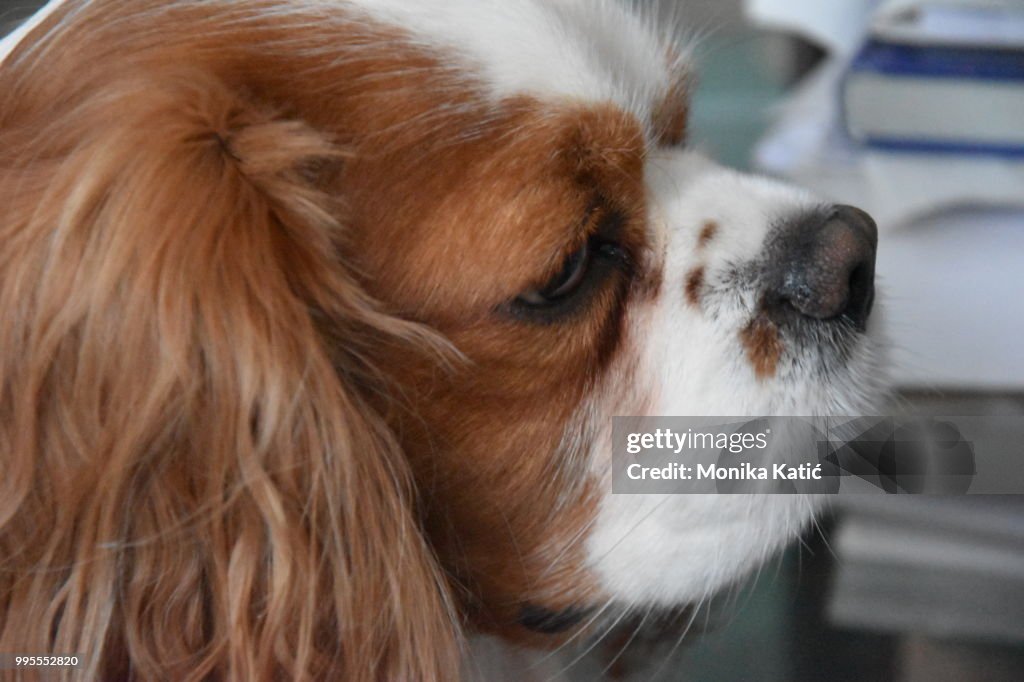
(192, 483)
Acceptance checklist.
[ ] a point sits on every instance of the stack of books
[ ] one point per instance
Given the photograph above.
(946, 567)
(945, 79)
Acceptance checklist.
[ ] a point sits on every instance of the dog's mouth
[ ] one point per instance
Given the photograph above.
(644, 639)
(777, 337)
(778, 341)
(613, 632)
(552, 621)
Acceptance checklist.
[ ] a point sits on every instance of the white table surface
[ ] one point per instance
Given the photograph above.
(951, 293)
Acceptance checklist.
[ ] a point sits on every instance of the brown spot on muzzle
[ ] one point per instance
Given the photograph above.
(694, 285)
(761, 340)
(707, 233)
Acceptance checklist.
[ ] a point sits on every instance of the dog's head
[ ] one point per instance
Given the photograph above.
(317, 314)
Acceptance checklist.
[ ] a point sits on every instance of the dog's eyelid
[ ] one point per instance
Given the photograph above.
(600, 230)
(564, 283)
(601, 224)
(582, 271)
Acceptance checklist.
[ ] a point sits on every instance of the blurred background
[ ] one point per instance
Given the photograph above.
(913, 110)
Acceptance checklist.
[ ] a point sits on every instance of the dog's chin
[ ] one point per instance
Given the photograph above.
(665, 562)
(670, 551)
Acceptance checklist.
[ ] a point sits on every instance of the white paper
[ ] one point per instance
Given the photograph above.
(965, 23)
(835, 25)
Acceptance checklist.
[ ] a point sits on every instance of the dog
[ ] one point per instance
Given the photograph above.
(317, 313)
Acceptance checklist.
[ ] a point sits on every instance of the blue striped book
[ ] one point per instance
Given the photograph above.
(937, 99)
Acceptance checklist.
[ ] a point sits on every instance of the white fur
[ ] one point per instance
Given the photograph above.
(582, 50)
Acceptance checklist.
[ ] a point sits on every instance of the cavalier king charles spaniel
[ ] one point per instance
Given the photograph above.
(316, 314)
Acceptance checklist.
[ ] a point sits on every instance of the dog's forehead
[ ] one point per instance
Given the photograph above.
(558, 51)
(577, 50)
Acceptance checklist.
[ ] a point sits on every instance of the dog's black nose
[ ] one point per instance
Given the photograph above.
(824, 265)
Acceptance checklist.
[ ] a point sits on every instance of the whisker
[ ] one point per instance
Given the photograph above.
(679, 640)
(583, 628)
(597, 640)
(636, 631)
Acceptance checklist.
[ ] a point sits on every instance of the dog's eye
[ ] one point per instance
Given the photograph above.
(563, 284)
(584, 273)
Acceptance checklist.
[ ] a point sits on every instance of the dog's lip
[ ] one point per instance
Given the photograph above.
(649, 627)
(786, 317)
(552, 621)
(832, 340)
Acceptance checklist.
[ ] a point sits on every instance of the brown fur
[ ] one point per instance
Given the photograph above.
(192, 486)
(694, 286)
(264, 411)
(707, 233)
(504, 498)
(763, 345)
(672, 112)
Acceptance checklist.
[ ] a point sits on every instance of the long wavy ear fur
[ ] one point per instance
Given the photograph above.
(191, 486)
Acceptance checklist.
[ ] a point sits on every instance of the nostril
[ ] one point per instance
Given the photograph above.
(861, 296)
(860, 277)
(857, 280)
